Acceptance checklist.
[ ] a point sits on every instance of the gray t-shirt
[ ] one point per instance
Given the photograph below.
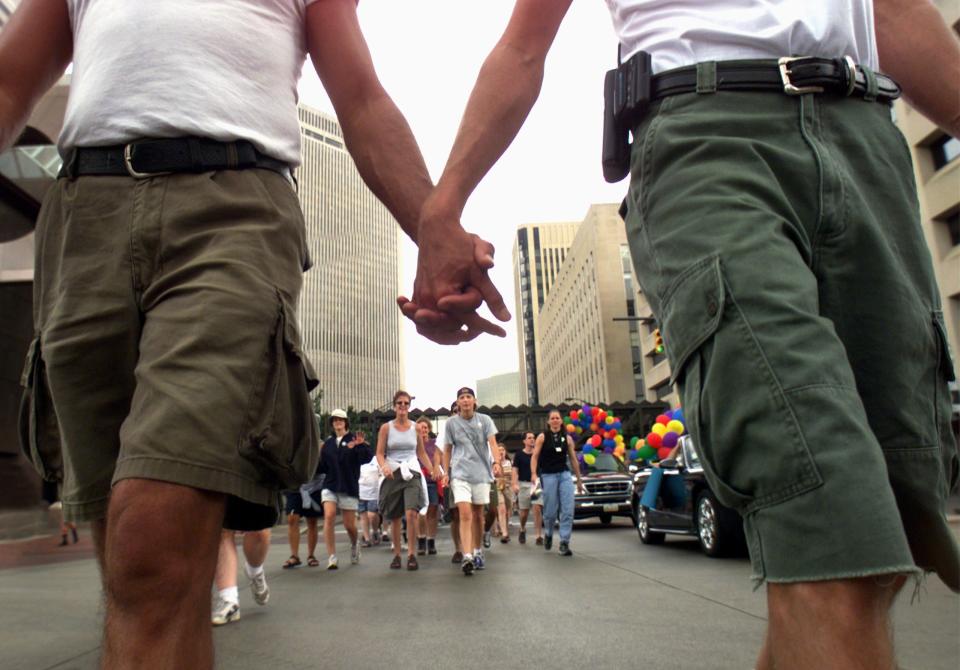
(469, 441)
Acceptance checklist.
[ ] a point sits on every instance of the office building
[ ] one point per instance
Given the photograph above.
(500, 390)
(538, 254)
(583, 353)
(348, 313)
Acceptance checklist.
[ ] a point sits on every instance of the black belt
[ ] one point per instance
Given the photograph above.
(793, 76)
(151, 158)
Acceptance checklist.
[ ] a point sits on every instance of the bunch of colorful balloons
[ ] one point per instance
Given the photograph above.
(605, 428)
(663, 436)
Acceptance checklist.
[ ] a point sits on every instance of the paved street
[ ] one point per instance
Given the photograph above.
(615, 604)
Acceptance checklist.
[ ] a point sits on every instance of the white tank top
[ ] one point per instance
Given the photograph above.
(401, 444)
(223, 69)
(684, 32)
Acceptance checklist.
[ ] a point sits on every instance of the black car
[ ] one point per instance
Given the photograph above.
(608, 485)
(686, 506)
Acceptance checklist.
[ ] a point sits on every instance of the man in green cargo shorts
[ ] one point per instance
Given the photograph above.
(773, 223)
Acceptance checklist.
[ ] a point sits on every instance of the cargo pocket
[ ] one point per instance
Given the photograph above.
(281, 436)
(39, 431)
(944, 404)
(751, 447)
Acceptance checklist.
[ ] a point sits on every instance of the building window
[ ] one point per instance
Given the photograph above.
(952, 223)
(663, 391)
(945, 150)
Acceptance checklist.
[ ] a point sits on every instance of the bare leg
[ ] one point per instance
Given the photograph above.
(365, 526)
(160, 558)
(98, 529)
(312, 535)
(329, 519)
(538, 519)
(256, 544)
(412, 524)
(502, 516)
(466, 527)
(524, 513)
(395, 534)
(226, 575)
(293, 533)
(476, 522)
(455, 529)
(833, 625)
(350, 524)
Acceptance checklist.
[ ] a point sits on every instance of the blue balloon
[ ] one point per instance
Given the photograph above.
(609, 443)
(678, 415)
(608, 450)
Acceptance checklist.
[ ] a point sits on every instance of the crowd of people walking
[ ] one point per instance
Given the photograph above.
(398, 489)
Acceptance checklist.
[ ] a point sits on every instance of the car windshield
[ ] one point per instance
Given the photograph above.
(690, 456)
(605, 463)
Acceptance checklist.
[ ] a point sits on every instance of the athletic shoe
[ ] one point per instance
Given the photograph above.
(366, 544)
(384, 538)
(224, 612)
(548, 542)
(539, 541)
(565, 549)
(467, 566)
(332, 562)
(457, 557)
(523, 537)
(431, 546)
(354, 554)
(421, 546)
(259, 589)
(486, 540)
(478, 563)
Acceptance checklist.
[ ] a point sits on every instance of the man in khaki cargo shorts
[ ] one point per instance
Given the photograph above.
(773, 223)
(169, 256)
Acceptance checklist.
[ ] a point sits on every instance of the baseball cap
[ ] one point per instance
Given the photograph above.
(465, 389)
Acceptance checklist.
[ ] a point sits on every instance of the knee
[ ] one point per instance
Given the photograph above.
(842, 602)
(293, 519)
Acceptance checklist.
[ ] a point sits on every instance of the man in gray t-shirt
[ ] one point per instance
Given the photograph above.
(469, 455)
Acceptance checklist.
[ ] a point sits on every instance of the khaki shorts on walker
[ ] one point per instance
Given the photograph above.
(465, 492)
(523, 496)
(778, 241)
(343, 501)
(166, 343)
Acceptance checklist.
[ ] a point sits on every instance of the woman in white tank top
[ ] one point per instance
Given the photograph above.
(400, 454)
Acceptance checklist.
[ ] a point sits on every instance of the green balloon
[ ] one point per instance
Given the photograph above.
(646, 451)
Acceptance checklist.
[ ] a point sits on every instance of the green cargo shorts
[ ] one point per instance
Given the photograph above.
(166, 343)
(778, 241)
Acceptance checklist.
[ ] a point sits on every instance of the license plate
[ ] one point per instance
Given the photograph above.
(611, 508)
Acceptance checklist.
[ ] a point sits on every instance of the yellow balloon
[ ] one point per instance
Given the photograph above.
(675, 427)
(589, 459)
(659, 429)
(609, 420)
(618, 439)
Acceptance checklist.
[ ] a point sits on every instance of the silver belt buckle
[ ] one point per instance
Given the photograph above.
(127, 162)
(785, 72)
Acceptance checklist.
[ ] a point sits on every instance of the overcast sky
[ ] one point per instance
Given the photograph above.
(427, 54)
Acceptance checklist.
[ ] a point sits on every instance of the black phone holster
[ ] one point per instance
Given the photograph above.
(626, 94)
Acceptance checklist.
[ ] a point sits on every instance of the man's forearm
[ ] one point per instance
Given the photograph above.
(388, 158)
(12, 121)
(918, 50)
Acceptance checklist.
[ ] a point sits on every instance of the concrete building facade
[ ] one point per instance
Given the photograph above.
(583, 352)
(348, 313)
(936, 164)
(500, 390)
(538, 254)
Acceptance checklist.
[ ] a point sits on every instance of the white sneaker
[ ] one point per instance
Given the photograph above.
(259, 588)
(354, 553)
(332, 562)
(224, 612)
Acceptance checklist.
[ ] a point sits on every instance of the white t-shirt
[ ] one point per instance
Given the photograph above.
(684, 32)
(223, 69)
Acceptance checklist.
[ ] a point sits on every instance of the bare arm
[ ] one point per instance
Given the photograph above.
(382, 450)
(35, 48)
(389, 160)
(447, 448)
(537, 446)
(918, 50)
(507, 87)
(422, 453)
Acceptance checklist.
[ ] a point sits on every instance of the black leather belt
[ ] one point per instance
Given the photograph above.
(793, 76)
(152, 158)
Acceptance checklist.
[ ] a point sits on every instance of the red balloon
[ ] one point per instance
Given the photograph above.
(664, 419)
(595, 440)
(654, 440)
(613, 432)
(663, 452)
(601, 416)
(573, 413)
(594, 411)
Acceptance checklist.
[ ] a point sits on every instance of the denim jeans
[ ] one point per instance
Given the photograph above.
(558, 491)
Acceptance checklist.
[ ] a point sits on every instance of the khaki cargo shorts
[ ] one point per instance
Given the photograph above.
(166, 343)
(778, 241)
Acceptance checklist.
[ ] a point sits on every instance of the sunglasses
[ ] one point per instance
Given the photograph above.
(402, 403)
